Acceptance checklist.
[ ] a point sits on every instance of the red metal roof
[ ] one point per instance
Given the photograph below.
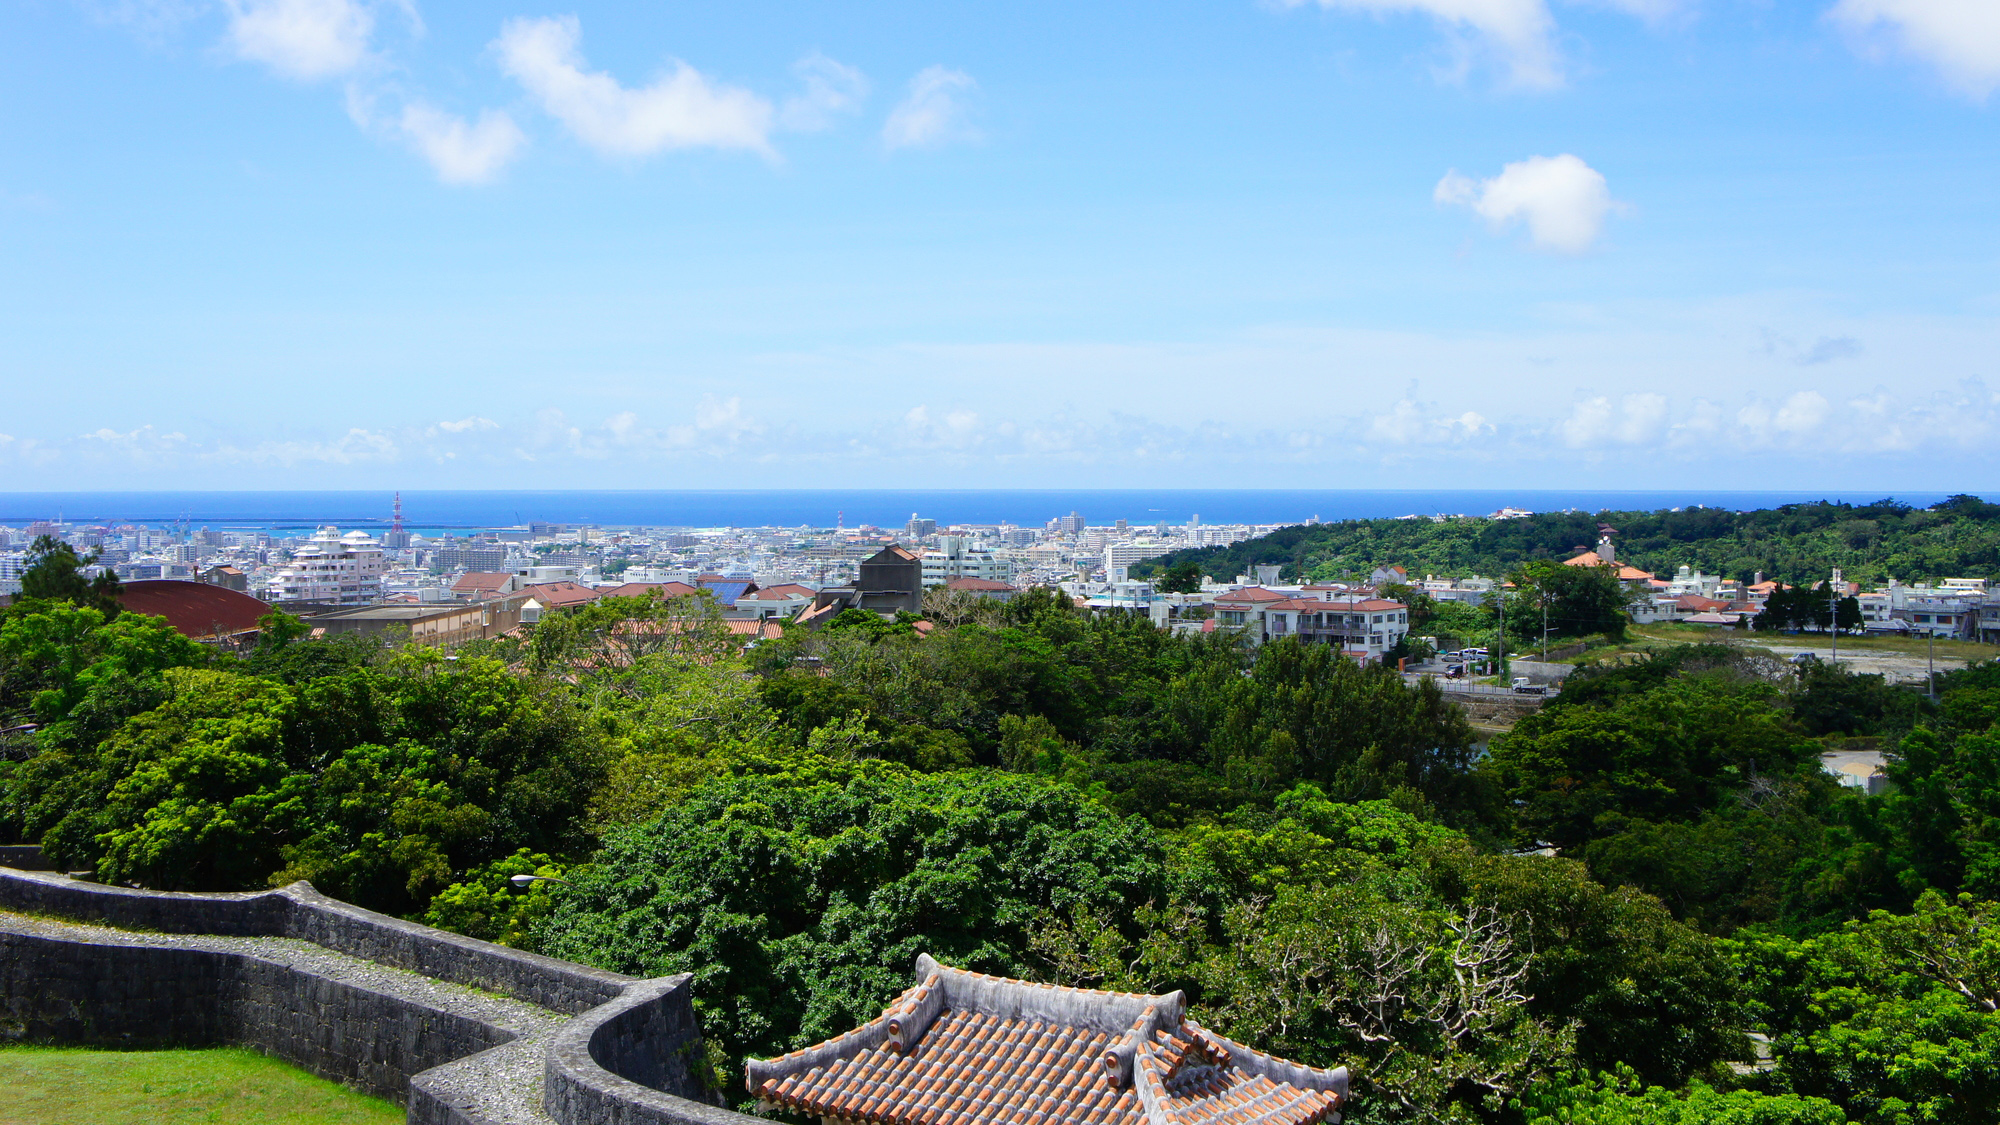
(194, 609)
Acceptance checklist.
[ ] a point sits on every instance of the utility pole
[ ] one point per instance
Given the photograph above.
(1500, 643)
(1833, 624)
(1930, 643)
(1542, 596)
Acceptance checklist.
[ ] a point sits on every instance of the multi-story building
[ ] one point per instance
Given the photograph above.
(483, 559)
(332, 568)
(1119, 557)
(956, 558)
(1364, 628)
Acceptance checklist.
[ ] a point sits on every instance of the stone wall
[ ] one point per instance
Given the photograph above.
(387, 1006)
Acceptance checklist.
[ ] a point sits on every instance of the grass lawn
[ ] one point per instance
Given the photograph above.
(223, 1086)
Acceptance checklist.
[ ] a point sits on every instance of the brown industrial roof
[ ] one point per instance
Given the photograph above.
(973, 1049)
(194, 609)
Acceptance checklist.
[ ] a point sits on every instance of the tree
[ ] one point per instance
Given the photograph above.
(54, 573)
(800, 897)
(277, 629)
(951, 608)
(1574, 773)
(1892, 1018)
(1183, 577)
(1581, 600)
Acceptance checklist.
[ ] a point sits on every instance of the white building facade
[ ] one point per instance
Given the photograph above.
(334, 568)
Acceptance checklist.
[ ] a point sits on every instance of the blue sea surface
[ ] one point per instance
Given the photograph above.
(1027, 507)
(285, 512)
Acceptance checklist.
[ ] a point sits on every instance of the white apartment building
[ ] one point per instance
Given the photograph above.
(956, 558)
(1118, 557)
(331, 567)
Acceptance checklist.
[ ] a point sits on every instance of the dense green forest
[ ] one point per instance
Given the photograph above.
(1331, 862)
(1959, 537)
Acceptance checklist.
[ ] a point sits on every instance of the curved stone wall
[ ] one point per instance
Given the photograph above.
(395, 1008)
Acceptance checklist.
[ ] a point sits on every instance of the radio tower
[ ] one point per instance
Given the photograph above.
(397, 539)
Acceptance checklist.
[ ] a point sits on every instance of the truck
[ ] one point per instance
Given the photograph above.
(1525, 686)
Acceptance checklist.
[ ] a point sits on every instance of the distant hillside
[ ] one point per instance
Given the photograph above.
(1959, 537)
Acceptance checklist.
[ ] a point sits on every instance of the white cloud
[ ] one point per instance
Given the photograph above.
(1651, 11)
(933, 113)
(831, 89)
(1412, 423)
(303, 39)
(462, 152)
(681, 109)
(1519, 34)
(956, 429)
(1563, 200)
(1960, 38)
(469, 423)
(1637, 419)
(356, 447)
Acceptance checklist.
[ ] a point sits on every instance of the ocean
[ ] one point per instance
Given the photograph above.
(427, 511)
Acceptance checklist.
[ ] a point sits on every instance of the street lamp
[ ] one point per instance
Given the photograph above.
(524, 881)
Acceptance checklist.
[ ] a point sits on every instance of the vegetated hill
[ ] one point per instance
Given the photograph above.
(1959, 537)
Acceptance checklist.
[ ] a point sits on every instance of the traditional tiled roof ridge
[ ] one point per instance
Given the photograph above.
(966, 1048)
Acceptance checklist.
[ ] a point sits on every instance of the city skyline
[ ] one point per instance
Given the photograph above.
(1352, 243)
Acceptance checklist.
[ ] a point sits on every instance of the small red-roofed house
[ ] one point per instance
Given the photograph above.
(479, 586)
(985, 588)
(561, 595)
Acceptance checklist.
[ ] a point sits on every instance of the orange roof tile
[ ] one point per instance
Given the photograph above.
(556, 595)
(973, 1049)
(634, 589)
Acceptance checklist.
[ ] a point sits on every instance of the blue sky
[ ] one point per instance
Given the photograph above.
(1332, 243)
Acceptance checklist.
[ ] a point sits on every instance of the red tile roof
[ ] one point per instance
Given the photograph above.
(558, 595)
(971, 1049)
(1250, 594)
(790, 591)
(634, 589)
(979, 585)
(481, 580)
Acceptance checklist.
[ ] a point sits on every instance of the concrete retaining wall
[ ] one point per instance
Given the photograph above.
(347, 994)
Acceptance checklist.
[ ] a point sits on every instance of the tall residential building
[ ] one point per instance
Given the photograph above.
(331, 567)
(1071, 524)
(1119, 556)
(955, 558)
(480, 558)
